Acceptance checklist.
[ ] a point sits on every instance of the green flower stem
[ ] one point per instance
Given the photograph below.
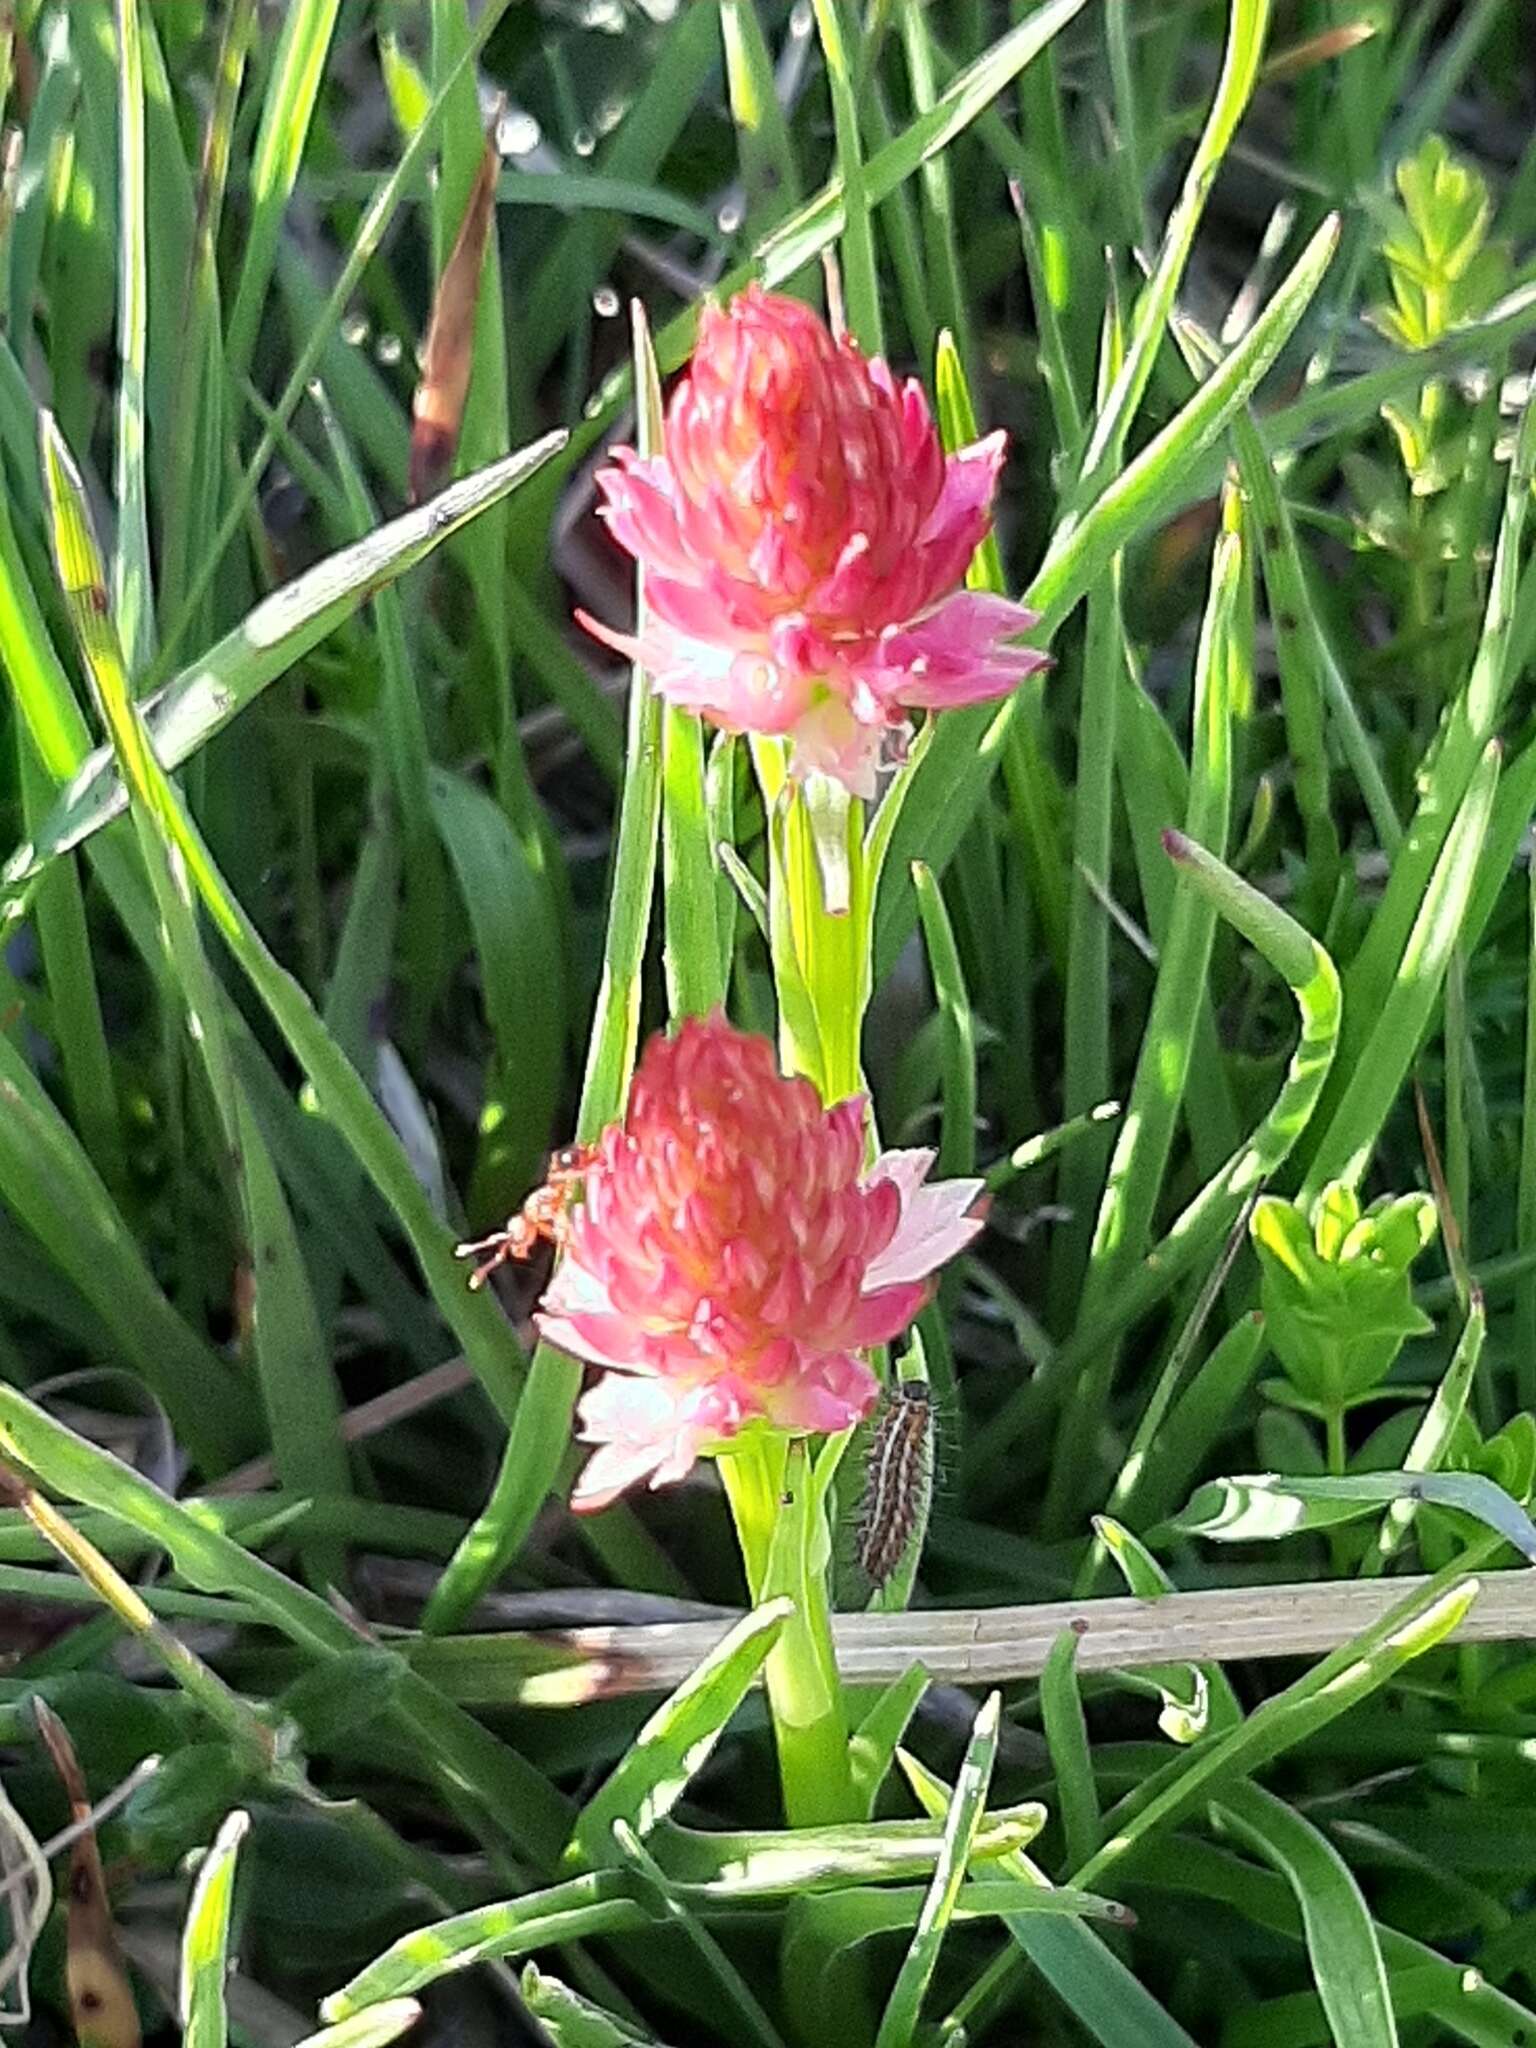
(779, 1511)
(820, 925)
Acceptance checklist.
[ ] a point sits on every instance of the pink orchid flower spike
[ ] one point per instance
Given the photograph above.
(731, 1260)
(805, 540)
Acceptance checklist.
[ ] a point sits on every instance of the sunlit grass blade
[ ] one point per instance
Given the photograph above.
(1140, 1156)
(1247, 22)
(541, 1431)
(967, 1805)
(287, 109)
(1395, 1028)
(949, 780)
(300, 1395)
(205, 1939)
(203, 698)
(131, 594)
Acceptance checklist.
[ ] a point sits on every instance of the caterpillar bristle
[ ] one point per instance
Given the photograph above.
(896, 1480)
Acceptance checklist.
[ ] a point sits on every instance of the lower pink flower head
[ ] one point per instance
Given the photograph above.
(731, 1259)
(805, 541)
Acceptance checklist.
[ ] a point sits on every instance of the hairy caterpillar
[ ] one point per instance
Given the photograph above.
(897, 1479)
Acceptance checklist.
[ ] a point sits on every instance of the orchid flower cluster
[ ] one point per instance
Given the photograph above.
(805, 541)
(737, 1249)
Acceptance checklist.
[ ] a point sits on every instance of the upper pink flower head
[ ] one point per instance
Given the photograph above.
(805, 540)
(731, 1259)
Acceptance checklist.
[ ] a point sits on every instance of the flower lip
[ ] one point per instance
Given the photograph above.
(732, 1253)
(805, 539)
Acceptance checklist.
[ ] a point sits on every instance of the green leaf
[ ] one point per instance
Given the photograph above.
(205, 696)
(677, 1739)
(1341, 1942)
(967, 1805)
(205, 1940)
(1263, 1507)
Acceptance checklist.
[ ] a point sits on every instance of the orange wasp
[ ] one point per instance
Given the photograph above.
(542, 1218)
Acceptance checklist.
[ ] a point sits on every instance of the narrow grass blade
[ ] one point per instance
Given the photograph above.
(1140, 1157)
(541, 1432)
(1342, 1949)
(205, 1940)
(1459, 765)
(677, 1740)
(957, 1141)
(1401, 1016)
(1247, 22)
(281, 629)
(873, 1744)
(952, 774)
(131, 596)
(861, 283)
(967, 1805)
(1066, 1732)
(584, 1907)
(287, 109)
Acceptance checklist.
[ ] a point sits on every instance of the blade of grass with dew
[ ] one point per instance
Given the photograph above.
(205, 1939)
(562, 289)
(287, 110)
(1342, 1949)
(967, 1808)
(299, 1392)
(281, 629)
(1407, 1007)
(365, 243)
(816, 225)
(950, 778)
(192, 468)
(1140, 1157)
(541, 1431)
(486, 426)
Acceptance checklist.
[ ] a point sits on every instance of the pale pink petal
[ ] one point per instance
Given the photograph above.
(832, 1391)
(962, 653)
(909, 1169)
(610, 1340)
(887, 1311)
(937, 1222)
(649, 1427)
